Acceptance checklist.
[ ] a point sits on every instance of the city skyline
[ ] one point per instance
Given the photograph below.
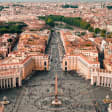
(54, 0)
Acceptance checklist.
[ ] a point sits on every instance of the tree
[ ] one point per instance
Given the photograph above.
(12, 27)
(1, 8)
(91, 29)
(109, 7)
(3, 30)
(9, 40)
(97, 30)
(94, 35)
(109, 35)
(83, 33)
(69, 6)
(103, 33)
(84, 24)
(73, 21)
(50, 22)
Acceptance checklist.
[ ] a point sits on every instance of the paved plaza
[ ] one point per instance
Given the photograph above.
(37, 92)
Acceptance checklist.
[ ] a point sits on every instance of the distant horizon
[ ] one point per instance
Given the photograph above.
(54, 0)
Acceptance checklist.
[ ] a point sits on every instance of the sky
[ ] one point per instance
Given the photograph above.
(50, 0)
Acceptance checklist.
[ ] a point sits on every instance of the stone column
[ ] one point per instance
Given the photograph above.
(14, 82)
(0, 83)
(7, 82)
(20, 81)
(105, 82)
(102, 81)
(110, 82)
(4, 82)
(98, 80)
(92, 81)
(10, 85)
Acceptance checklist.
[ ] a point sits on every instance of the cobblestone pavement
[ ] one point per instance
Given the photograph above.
(37, 92)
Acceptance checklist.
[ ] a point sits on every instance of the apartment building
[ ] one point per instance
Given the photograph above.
(80, 54)
(29, 56)
(83, 58)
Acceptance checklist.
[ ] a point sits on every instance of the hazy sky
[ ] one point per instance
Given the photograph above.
(49, 0)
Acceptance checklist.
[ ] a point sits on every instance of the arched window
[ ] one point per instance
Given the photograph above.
(45, 63)
(65, 62)
(65, 68)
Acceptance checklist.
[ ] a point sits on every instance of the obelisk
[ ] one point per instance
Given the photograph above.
(56, 101)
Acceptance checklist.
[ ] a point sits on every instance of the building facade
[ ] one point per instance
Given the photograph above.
(29, 56)
(12, 75)
(101, 78)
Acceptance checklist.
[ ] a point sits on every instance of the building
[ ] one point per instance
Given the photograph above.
(101, 78)
(80, 54)
(29, 56)
(83, 58)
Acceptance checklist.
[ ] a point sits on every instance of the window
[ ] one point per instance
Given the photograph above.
(65, 68)
(45, 68)
(65, 62)
(45, 63)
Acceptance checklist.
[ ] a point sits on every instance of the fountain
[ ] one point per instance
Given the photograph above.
(5, 101)
(107, 100)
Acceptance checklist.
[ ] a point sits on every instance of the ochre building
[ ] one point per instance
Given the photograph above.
(29, 56)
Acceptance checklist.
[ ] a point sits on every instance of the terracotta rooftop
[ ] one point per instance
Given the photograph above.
(77, 43)
(85, 48)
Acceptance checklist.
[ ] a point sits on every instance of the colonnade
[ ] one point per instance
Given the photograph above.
(10, 82)
(101, 81)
